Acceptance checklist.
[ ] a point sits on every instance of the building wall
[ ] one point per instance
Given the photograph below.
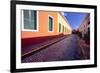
(64, 23)
(43, 34)
(43, 25)
(85, 25)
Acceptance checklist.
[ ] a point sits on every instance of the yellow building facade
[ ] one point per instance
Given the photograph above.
(63, 25)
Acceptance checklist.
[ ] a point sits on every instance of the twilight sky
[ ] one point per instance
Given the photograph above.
(74, 18)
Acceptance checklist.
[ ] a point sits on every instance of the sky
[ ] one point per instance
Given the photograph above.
(74, 18)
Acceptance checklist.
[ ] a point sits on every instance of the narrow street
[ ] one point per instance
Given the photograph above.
(66, 49)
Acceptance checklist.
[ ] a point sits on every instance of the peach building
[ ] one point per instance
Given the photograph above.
(38, 26)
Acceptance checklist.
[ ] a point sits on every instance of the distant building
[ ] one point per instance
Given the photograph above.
(39, 26)
(85, 25)
(74, 31)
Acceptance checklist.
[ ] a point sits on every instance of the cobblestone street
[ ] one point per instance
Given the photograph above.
(66, 49)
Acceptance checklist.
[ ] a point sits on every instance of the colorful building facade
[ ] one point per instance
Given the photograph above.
(63, 24)
(38, 26)
(85, 25)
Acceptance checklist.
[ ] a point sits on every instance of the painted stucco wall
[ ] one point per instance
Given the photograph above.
(64, 23)
(43, 25)
(85, 25)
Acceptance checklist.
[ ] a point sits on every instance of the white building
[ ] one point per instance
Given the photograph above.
(85, 25)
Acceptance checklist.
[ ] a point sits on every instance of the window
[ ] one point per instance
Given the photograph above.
(59, 27)
(88, 22)
(84, 26)
(30, 19)
(63, 28)
(50, 23)
(84, 30)
(88, 29)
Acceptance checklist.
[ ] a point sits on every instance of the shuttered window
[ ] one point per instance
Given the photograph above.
(50, 24)
(30, 19)
(59, 27)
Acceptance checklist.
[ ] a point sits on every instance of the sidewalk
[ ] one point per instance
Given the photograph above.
(36, 47)
(85, 49)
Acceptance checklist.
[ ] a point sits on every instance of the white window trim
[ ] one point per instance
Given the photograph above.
(37, 22)
(53, 23)
(58, 23)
